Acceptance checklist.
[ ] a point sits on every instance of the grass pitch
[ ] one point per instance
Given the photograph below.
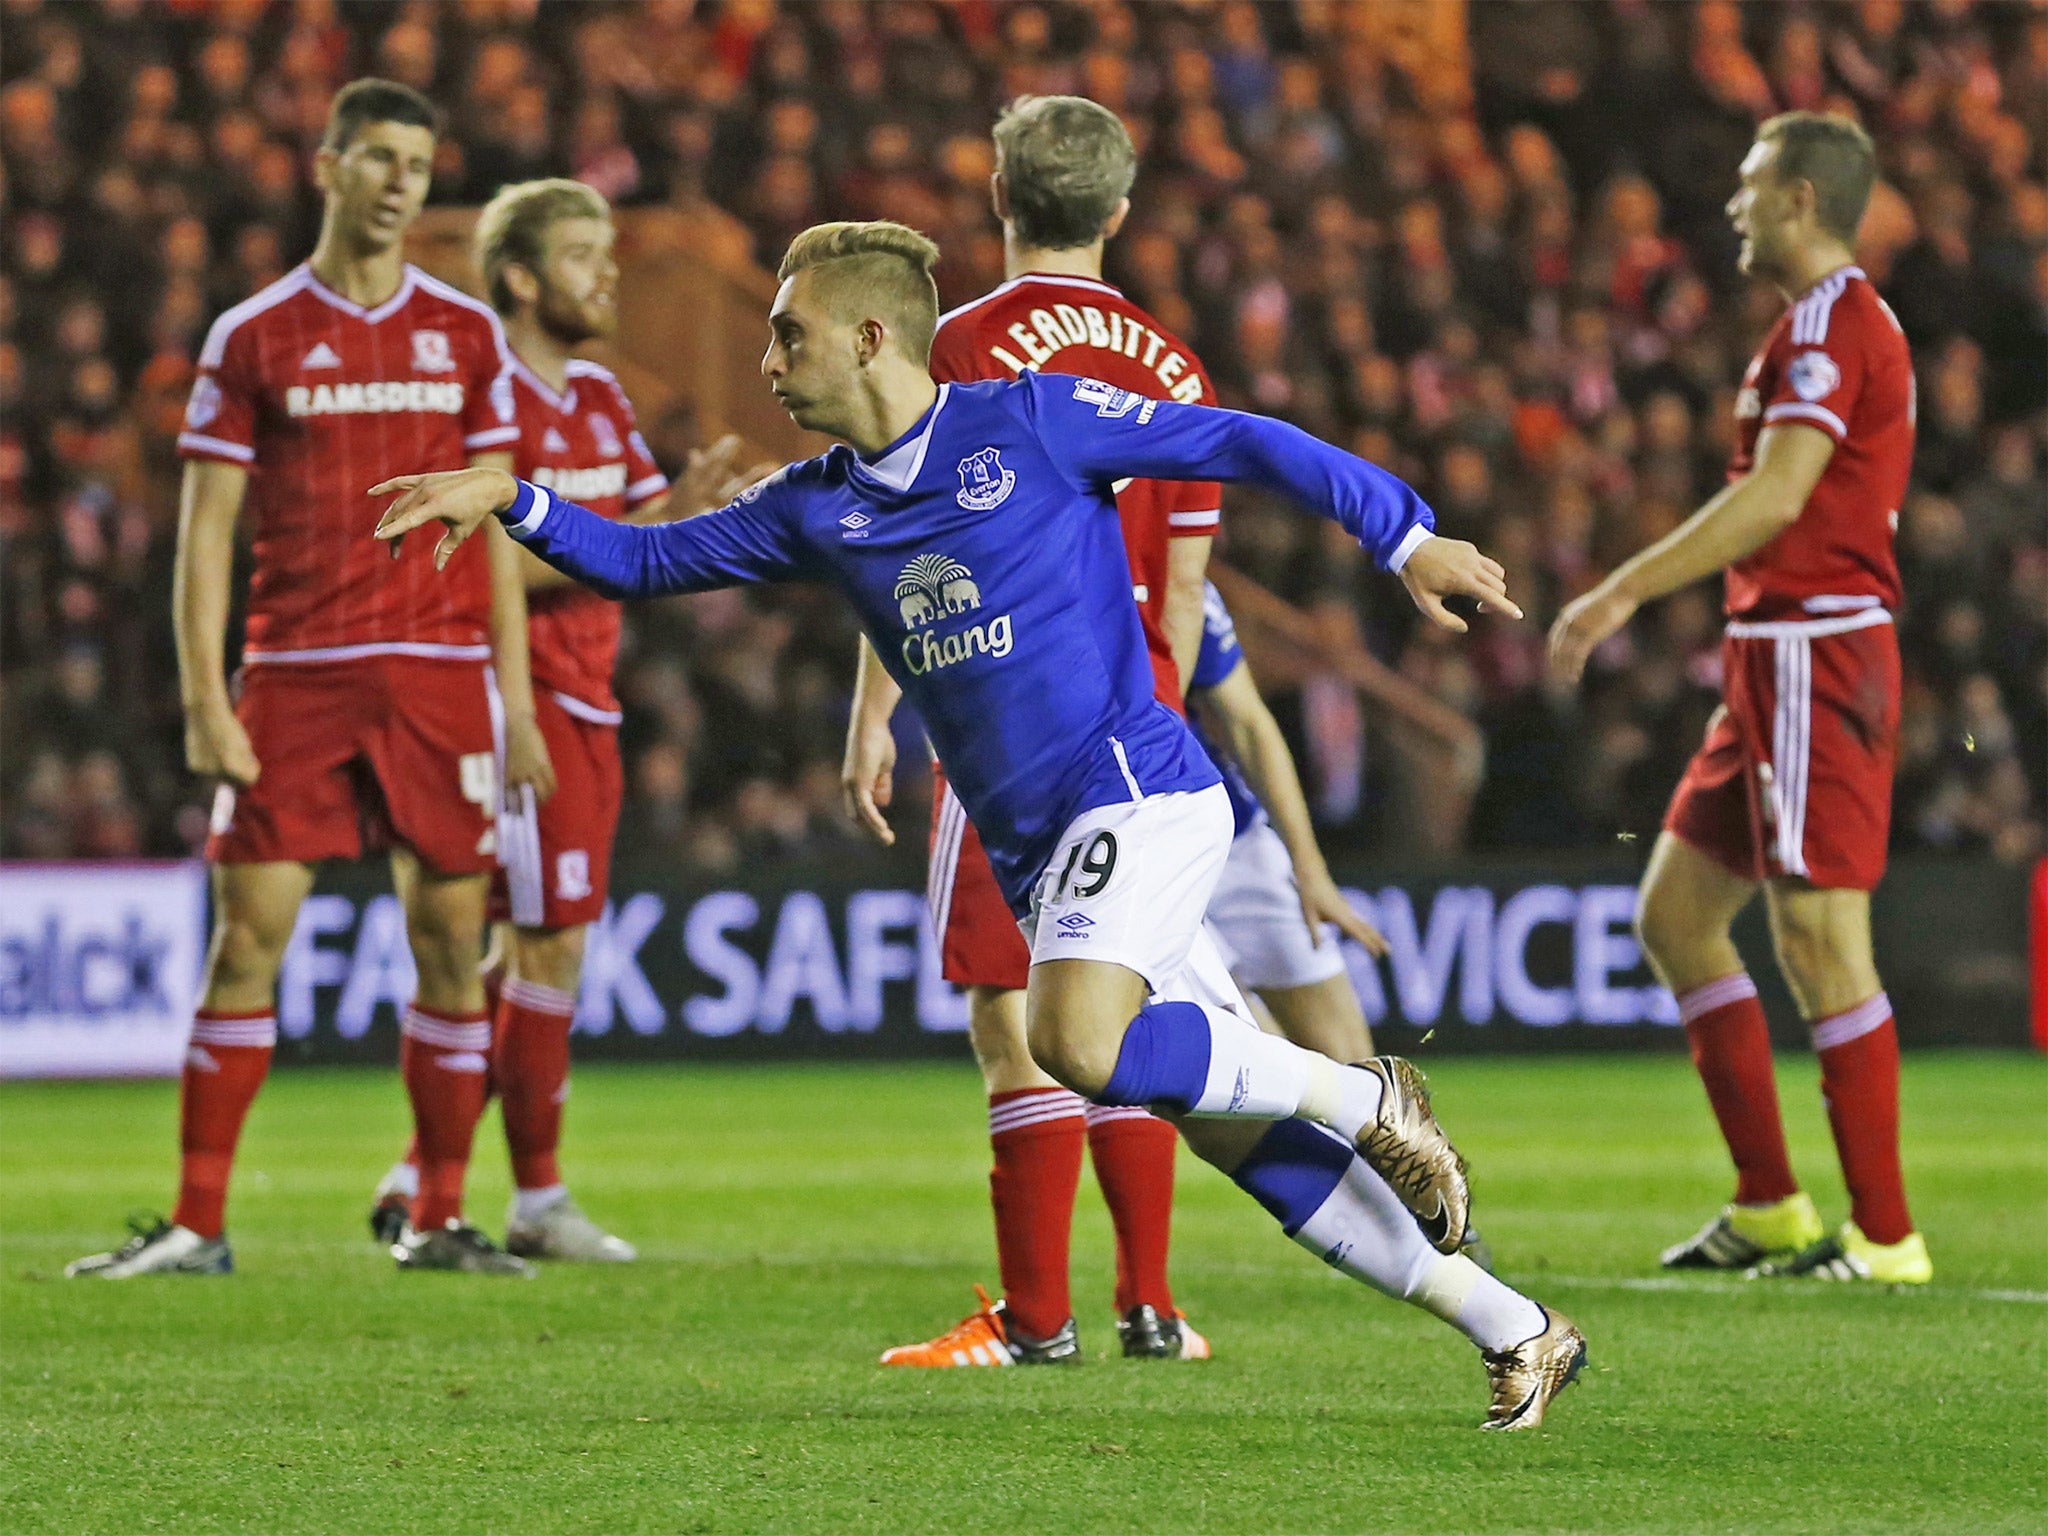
(794, 1221)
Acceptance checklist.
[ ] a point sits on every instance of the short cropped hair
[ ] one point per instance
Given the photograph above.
(877, 267)
(513, 228)
(362, 102)
(1835, 155)
(1066, 163)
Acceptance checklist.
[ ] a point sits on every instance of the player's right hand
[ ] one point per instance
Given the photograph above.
(1440, 568)
(461, 498)
(868, 777)
(216, 746)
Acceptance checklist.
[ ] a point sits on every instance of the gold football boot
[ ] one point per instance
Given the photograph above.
(1404, 1145)
(1528, 1376)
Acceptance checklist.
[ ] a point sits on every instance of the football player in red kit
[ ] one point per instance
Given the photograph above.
(1791, 790)
(369, 713)
(1064, 167)
(544, 249)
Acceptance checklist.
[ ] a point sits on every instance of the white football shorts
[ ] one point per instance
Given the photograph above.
(1129, 882)
(1256, 913)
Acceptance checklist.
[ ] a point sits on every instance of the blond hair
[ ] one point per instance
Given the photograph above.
(877, 267)
(513, 228)
(1066, 163)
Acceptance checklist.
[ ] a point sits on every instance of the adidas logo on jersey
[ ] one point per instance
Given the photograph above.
(322, 356)
(554, 442)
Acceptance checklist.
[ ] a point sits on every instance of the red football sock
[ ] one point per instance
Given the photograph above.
(1859, 1080)
(444, 1060)
(493, 978)
(1731, 1049)
(530, 1066)
(1133, 1153)
(225, 1064)
(1037, 1134)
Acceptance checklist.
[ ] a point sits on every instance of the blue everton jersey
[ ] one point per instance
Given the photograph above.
(983, 554)
(1219, 657)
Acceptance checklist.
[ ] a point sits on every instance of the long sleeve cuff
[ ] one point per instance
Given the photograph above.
(530, 507)
(1413, 539)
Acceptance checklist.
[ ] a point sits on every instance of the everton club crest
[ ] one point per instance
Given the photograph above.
(984, 483)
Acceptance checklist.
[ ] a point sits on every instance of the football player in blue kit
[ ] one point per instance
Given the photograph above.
(974, 530)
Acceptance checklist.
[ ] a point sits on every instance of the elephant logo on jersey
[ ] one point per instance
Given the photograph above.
(984, 483)
(933, 587)
(1813, 376)
(430, 352)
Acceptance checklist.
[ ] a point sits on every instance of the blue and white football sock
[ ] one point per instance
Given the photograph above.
(1202, 1060)
(1327, 1199)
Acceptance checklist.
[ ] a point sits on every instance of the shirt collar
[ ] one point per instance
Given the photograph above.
(897, 465)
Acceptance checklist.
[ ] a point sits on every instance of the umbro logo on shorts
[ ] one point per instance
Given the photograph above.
(1075, 924)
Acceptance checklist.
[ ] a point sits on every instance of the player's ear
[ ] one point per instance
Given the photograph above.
(324, 162)
(868, 341)
(999, 195)
(521, 283)
(1116, 219)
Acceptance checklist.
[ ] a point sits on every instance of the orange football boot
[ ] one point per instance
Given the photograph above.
(983, 1337)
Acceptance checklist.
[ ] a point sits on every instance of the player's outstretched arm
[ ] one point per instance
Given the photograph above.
(754, 539)
(1101, 434)
(1737, 522)
(867, 777)
(1234, 714)
(209, 502)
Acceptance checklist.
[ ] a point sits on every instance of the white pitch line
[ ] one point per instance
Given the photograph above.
(1539, 1279)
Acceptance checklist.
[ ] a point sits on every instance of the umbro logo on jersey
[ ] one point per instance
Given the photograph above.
(322, 356)
(554, 442)
(855, 524)
(984, 483)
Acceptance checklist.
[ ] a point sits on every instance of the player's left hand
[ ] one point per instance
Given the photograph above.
(1322, 902)
(1584, 624)
(1440, 568)
(461, 498)
(526, 756)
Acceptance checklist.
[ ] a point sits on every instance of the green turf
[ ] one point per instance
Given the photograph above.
(795, 1221)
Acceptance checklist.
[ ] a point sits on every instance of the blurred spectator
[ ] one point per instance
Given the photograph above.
(1482, 247)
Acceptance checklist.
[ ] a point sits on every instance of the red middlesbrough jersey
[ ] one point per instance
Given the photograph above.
(1836, 360)
(1076, 325)
(320, 399)
(583, 445)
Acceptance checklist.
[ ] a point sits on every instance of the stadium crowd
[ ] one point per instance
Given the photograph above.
(1483, 247)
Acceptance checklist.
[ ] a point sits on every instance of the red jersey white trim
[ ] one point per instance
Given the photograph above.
(587, 712)
(1810, 313)
(1800, 408)
(1808, 628)
(423, 649)
(230, 321)
(193, 442)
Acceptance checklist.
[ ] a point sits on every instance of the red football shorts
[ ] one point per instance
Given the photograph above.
(557, 856)
(1795, 776)
(358, 755)
(980, 944)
